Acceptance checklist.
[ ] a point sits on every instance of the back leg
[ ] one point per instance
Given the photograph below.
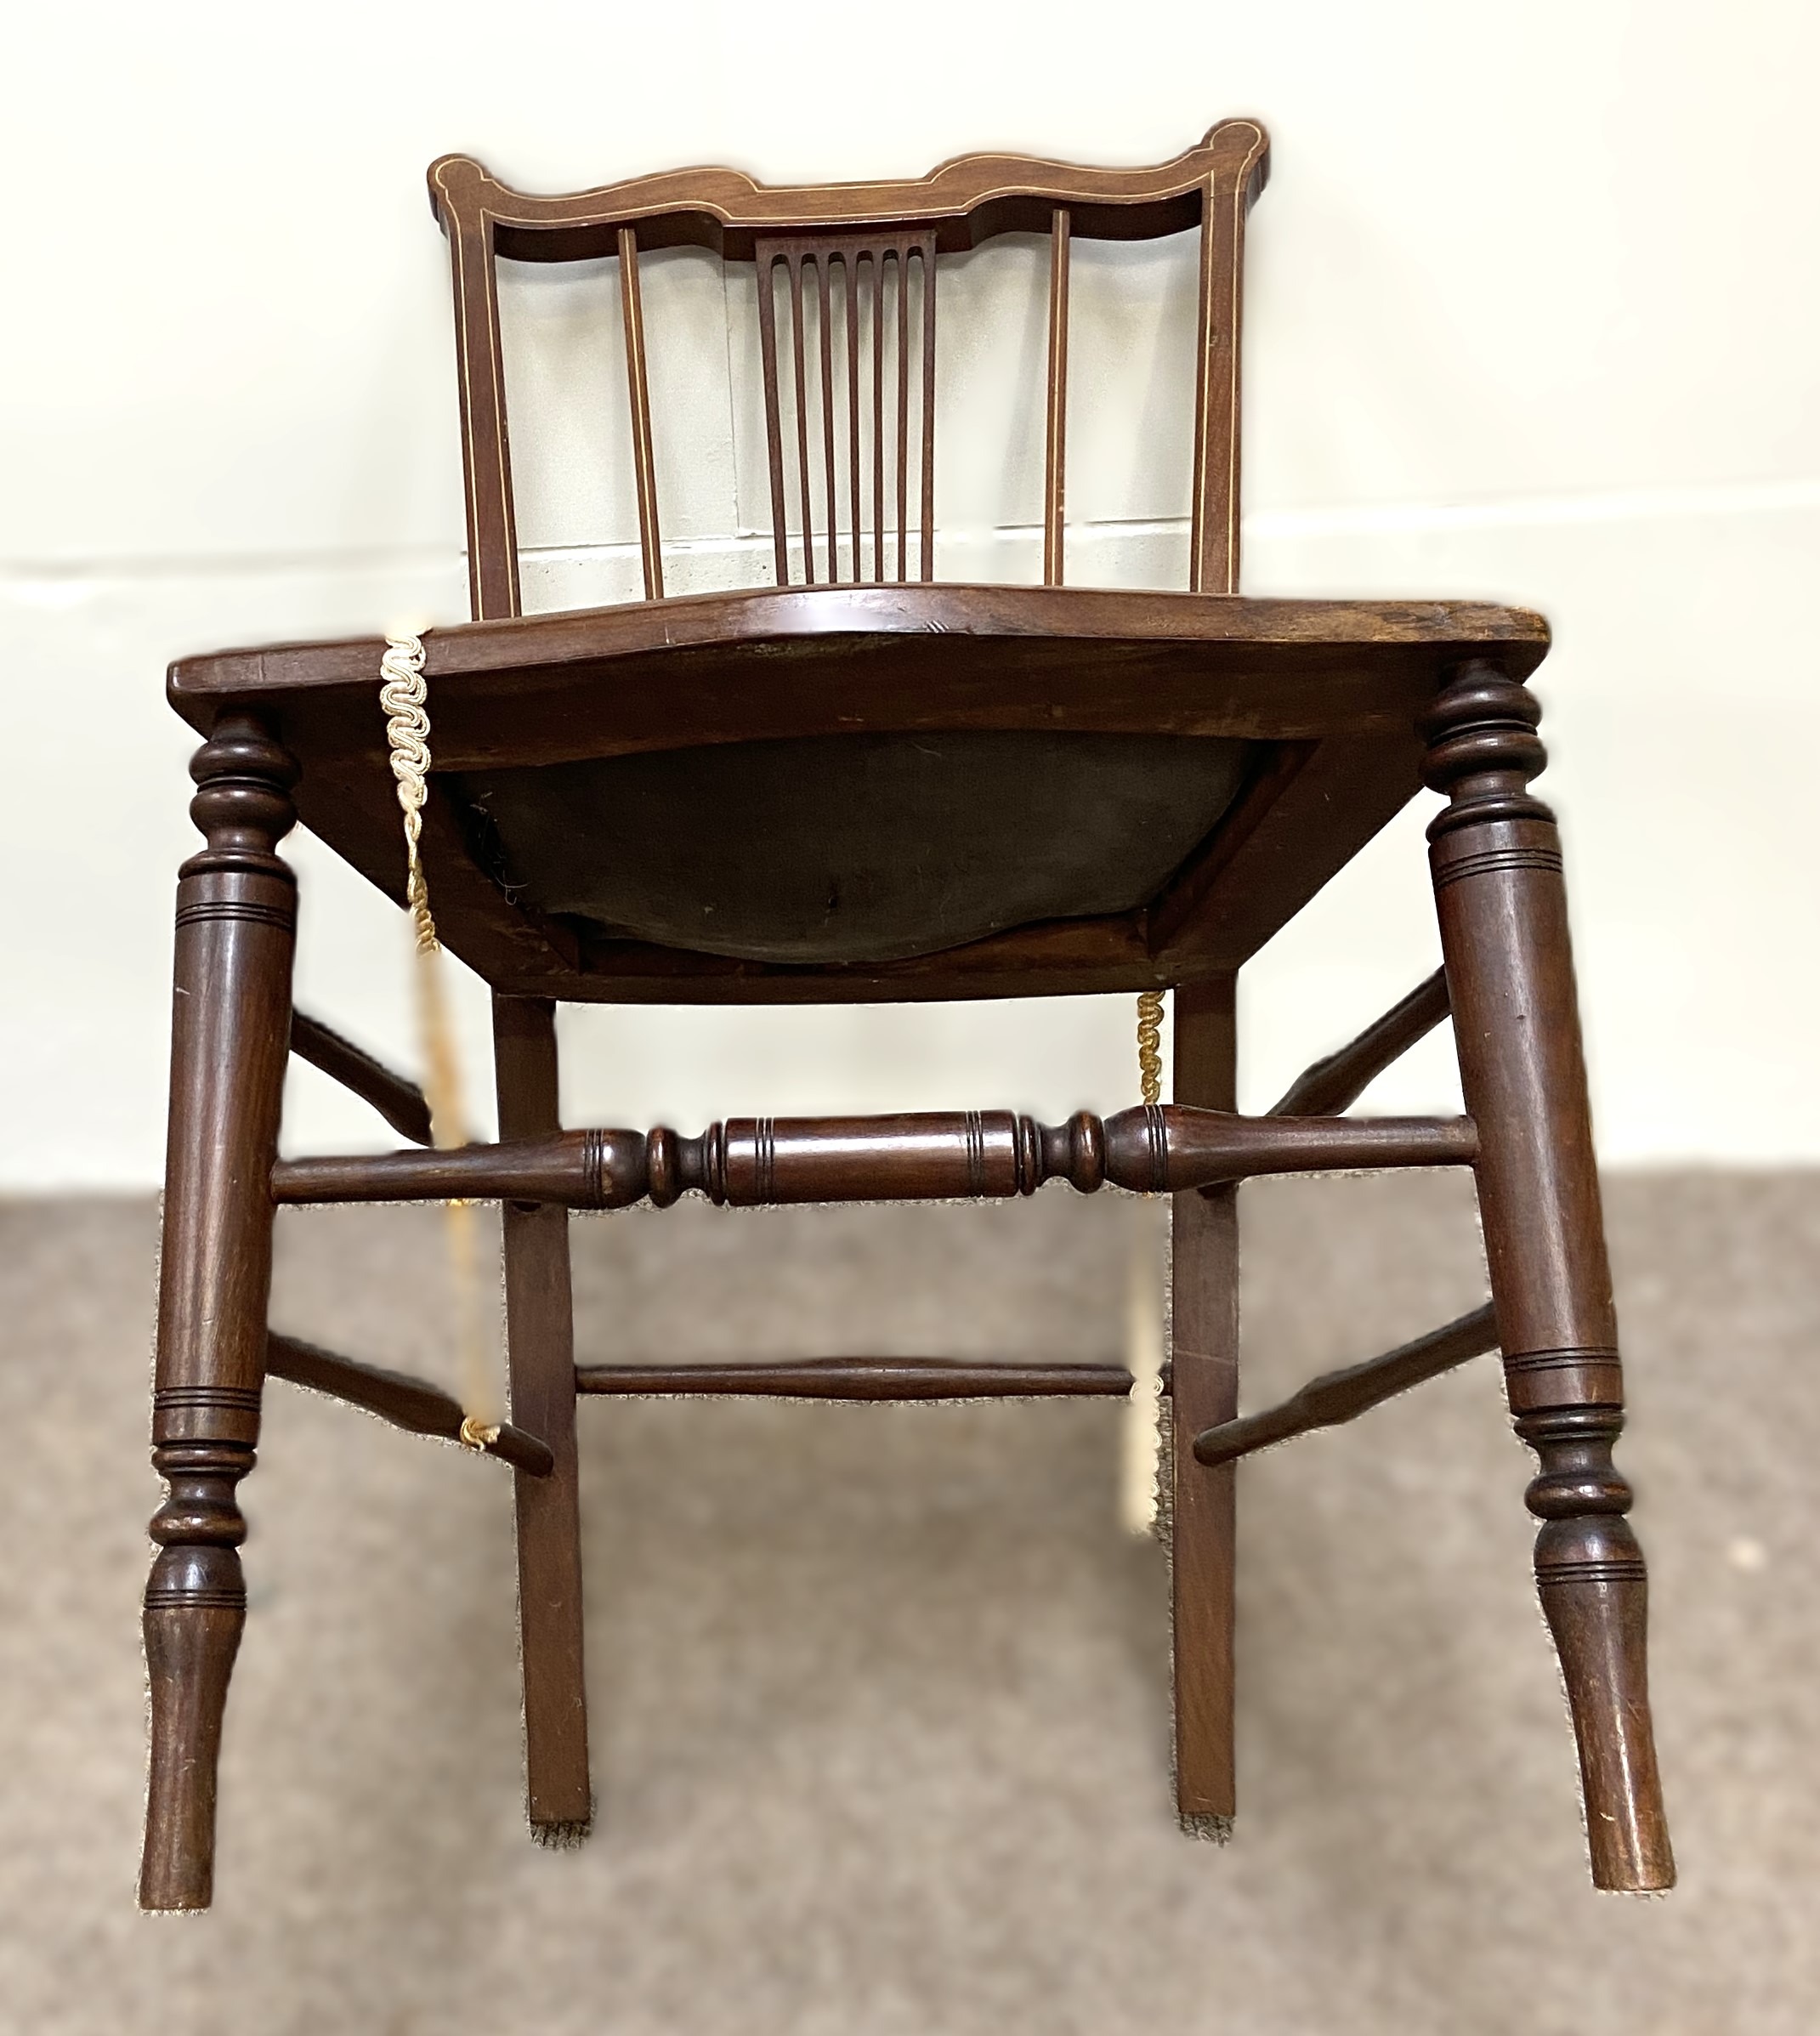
(540, 1341)
(1203, 1361)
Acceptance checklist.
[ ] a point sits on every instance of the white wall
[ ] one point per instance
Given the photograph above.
(1531, 315)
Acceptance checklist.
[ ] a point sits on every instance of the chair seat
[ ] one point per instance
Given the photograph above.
(863, 792)
(848, 849)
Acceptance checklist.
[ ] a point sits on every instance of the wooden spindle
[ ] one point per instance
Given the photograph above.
(752, 1162)
(1336, 1082)
(849, 267)
(825, 300)
(878, 414)
(411, 1403)
(926, 266)
(1055, 437)
(802, 417)
(903, 266)
(400, 1103)
(644, 467)
(766, 262)
(859, 1378)
(1343, 1396)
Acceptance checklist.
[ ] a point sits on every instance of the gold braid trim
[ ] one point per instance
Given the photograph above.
(403, 695)
(1150, 1045)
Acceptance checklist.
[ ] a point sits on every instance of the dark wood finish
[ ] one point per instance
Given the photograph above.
(486, 452)
(400, 1103)
(1502, 904)
(1328, 694)
(540, 1344)
(1055, 419)
(236, 917)
(1343, 1396)
(1346, 679)
(411, 1403)
(1338, 1081)
(1204, 1386)
(860, 1379)
(875, 271)
(879, 226)
(638, 380)
(753, 1162)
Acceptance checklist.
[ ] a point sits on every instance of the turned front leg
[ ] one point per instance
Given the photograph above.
(235, 915)
(1502, 904)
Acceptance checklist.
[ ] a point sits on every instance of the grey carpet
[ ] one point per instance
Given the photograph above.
(879, 1695)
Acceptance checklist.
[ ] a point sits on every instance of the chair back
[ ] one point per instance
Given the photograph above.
(846, 277)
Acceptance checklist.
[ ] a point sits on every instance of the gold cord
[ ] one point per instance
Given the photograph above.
(1150, 1045)
(403, 695)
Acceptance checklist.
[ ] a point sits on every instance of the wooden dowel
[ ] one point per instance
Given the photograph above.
(412, 1405)
(1337, 1082)
(878, 414)
(861, 1379)
(824, 303)
(574, 1169)
(903, 259)
(645, 465)
(759, 1161)
(767, 266)
(802, 421)
(400, 1103)
(926, 483)
(1341, 1396)
(1055, 444)
(849, 269)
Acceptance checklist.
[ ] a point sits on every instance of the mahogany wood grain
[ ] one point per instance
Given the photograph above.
(874, 270)
(400, 1102)
(1346, 678)
(810, 230)
(486, 452)
(1330, 695)
(411, 1403)
(1343, 1396)
(1055, 419)
(1203, 1385)
(1502, 904)
(859, 1378)
(966, 202)
(638, 391)
(540, 1346)
(1336, 1082)
(761, 1162)
(236, 917)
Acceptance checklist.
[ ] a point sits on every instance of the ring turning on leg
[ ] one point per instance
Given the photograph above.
(1502, 904)
(236, 916)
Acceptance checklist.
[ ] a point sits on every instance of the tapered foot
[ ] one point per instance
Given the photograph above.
(1595, 1593)
(1502, 906)
(195, 1605)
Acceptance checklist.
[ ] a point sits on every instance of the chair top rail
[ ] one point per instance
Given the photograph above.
(964, 201)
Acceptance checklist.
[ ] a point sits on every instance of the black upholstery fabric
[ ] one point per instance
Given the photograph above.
(848, 849)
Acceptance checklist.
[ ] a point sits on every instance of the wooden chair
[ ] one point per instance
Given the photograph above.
(863, 785)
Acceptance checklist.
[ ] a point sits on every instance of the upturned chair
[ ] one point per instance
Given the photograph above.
(860, 783)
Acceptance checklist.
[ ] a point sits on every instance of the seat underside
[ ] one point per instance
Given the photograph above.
(851, 848)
